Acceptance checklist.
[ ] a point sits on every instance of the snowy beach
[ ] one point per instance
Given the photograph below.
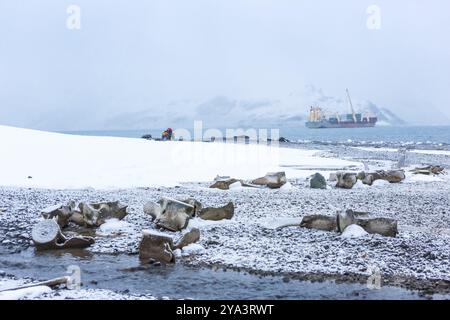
(40, 169)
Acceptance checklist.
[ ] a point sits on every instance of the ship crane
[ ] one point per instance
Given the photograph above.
(351, 106)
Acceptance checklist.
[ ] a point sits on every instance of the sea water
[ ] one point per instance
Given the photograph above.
(434, 136)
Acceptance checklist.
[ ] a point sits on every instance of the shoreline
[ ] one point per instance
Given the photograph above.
(417, 259)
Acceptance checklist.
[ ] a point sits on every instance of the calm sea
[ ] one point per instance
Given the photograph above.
(382, 135)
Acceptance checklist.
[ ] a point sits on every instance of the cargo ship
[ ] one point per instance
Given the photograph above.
(318, 119)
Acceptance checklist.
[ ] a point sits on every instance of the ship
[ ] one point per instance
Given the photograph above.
(318, 119)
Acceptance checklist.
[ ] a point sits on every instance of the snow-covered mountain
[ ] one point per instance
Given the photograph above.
(222, 111)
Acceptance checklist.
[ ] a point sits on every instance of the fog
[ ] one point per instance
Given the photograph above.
(171, 58)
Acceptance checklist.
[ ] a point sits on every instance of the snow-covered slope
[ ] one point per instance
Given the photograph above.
(33, 158)
(222, 111)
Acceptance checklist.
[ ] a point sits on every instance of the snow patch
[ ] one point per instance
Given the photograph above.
(113, 162)
(114, 226)
(353, 231)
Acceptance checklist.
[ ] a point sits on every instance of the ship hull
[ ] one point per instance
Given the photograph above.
(328, 125)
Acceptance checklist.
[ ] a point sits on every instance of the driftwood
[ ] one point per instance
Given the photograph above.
(49, 283)
(429, 170)
(47, 235)
(225, 212)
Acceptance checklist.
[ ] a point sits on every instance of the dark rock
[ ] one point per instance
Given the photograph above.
(225, 212)
(318, 182)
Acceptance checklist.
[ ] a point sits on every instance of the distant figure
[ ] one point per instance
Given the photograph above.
(167, 135)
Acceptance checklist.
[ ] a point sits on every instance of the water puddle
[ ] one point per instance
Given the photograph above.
(123, 273)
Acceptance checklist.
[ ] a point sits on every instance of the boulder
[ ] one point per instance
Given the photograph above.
(225, 212)
(319, 222)
(156, 246)
(272, 180)
(223, 184)
(188, 238)
(47, 235)
(174, 215)
(345, 180)
(317, 181)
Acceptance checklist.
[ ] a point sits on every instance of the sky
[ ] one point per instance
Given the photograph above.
(129, 56)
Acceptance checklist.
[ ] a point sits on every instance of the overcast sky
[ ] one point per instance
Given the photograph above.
(132, 55)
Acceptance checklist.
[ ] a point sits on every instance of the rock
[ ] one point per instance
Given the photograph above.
(272, 180)
(345, 180)
(225, 212)
(319, 222)
(188, 238)
(318, 181)
(156, 246)
(47, 235)
(174, 215)
(383, 226)
(223, 184)
(344, 219)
